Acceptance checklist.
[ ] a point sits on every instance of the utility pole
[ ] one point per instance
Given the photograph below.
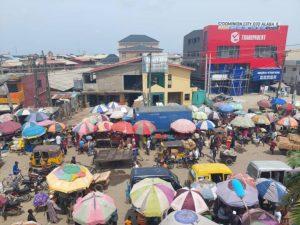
(150, 80)
(205, 75)
(35, 74)
(47, 79)
(209, 75)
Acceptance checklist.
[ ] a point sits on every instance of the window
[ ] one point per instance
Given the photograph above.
(39, 83)
(12, 88)
(187, 97)
(89, 78)
(228, 51)
(169, 77)
(169, 85)
(267, 51)
(294, 69)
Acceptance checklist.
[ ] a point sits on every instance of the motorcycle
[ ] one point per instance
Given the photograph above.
(10, 207)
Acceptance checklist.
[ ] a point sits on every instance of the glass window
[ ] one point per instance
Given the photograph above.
(228, 51)
(187, 97)
(265, 175)
(169, 76)
(169, 85)
(217, 177)
(267, 51)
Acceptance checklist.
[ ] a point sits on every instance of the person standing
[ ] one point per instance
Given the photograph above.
(30, 216)
(272, 146)
(51, 209)
(200, 144)
(16, 169)
(148, 146)
(214, 153)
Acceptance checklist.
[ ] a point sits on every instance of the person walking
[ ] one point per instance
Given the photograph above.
(30, 216)
(214, 153)
(272, 146)
(148, 146)
(16, 169)
(51, 209)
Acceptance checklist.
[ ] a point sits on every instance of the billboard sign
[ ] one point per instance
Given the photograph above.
(266, 74)
(248, 25)
(159, 63)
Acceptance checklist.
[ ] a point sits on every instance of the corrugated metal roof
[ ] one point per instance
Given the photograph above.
(161, 109)
(267, 165)
(140, 48)
(138, 38)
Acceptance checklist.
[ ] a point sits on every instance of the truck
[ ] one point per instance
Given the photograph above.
(162, 116)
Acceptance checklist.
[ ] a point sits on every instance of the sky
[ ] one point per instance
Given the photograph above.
(96, 26)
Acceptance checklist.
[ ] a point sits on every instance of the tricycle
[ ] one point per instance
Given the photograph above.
(228, 157)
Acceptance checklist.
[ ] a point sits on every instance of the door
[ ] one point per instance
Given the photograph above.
(157, 97)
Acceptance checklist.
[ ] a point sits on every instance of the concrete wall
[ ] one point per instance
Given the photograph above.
(131, 44)
(292, 73)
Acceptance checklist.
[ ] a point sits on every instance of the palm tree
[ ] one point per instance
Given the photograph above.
(293, 186)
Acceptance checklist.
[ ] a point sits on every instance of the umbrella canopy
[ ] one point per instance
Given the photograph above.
(45, 123)
(128, 115)
(112, 105)
(297, 116)
(189, 199)
(23, 112)
(297, 104)
(261, 120)
(288, 107)
(270, 189)
(33, 132)
(199, 115)
(122, 127)
(205, 125)
(236, 106)
(102, 118)
(242, 121)
(91, 119)
(122, 108)
(152, 196)
(104, 126)
(250, 115)
(271, 117)
(264, 103)
(288, 121)
(6, 117)
(228, 195)
(226, 108)
(240, 112)
(94, 208)
(99, 109)
(278, 101)
(259, 217)
(36, 117)
(40, 199)
(28, 124)
(193, 108)
(84, 128)
(183, 126)
(69, 178)
(245, 178)
(144, 127)
(57, 127)
(9, 127)
(205, 109)
(207, 189)
(117, 115)
(185, 217)
(214, 116)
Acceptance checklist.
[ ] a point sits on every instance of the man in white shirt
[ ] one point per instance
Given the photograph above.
(58, 140)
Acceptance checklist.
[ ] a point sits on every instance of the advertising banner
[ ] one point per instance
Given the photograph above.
(266, 74)
(159, 63)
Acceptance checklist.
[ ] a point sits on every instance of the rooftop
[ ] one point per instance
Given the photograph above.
(140, 48)
(271, 165)
(125, 62)
(153, 109)
(138, 38)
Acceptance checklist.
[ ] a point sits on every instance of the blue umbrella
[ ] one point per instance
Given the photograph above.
(205, 125)
(270, 190)
(278, 101)
(226, 108)
(99, 109)
(28, 124)
(37, 117)
(33, 131)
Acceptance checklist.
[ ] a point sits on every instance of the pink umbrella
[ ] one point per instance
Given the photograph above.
(183, 126)
(6, 117)
(85, 128)
(46, 123)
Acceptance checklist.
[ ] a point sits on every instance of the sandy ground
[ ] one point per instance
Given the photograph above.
(120, 176)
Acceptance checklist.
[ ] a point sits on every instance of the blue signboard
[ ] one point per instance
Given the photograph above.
(266, 74)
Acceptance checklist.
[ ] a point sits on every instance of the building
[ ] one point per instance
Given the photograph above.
(291, 70)
(243, 56)
(135, 45)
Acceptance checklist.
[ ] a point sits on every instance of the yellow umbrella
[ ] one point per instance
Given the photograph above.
(260, 119)
(69, 178)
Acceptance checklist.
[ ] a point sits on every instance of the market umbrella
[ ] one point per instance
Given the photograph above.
(206, 188)
(297, 116)
(288, 107)
(122, 108)
(9, 127)
(226, 108)
(23, 112)
(94, 208)
(193, 108)
(214, 116)
(36, 117)
(102, 118)
(99, 109)
(242, 121)
(122, 127)
(191, 199)
(129, 115)
(271, 117)
(199, 115)
(91, 119)
(112, 105)
(236, 106)
(33, 132)
(104, 126)
(261, 120)
(28, 124)
(250, 115)
(69, 178)
(57, 127)
(144, 127)
(205, 125)
(245, 178)
(117, 115)
(6, 117)
(186, 217)
(205, 109)
(240, 112)
(270, 190)
(228, 195)
(40, 199)
(183, 126)
(84, 128)
(278, 101)
(152, 196)
(258, 217)
(264, 103)
(297, 104)
(288, 121)
(45, 123)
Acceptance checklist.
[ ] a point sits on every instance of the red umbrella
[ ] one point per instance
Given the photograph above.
(122, 127)
(9, 127)
(183, 126)
(264, 103)
(144, 127)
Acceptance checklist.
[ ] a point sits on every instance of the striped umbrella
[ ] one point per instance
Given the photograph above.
(99, 109)
(94, 208)
(84, 128)
(214, 116)
(152, 196)
(91, 119)
(28, 124)
(205, 109)
(261, 120)
(288, 121)
(270, 190)
(117, 115)
(122, 127)
(189, 199)
(244, 178)
(199, 115)
(242, 121)
(183, 126)
(104, 126)
(206, 188)
(6, 117)
(23, 112)
(46, 123)
(102, 118)
(193, 108)
(205, 125)
(36, 117)
(144, 127)
(113, 105)
(57, 127)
